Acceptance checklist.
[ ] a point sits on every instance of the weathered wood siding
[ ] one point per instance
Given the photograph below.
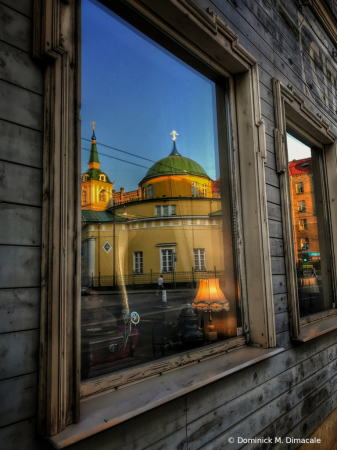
(21, 126)
(289, 394)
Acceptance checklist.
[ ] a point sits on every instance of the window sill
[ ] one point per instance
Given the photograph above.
(317, 328)
(104, 411)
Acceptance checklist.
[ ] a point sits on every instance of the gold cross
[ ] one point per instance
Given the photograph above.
(174, 134)
(93, 125)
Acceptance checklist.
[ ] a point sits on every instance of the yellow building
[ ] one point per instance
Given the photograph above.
(171, 229)
(96, 186)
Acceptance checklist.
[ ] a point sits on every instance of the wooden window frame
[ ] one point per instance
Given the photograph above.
(216, 48)
(291, 111)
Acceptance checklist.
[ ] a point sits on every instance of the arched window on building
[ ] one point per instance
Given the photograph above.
(195, 189)
(84, 196)
(102, 177)
(102, 196)
(204, 190)
(150, 191)
(143, 193)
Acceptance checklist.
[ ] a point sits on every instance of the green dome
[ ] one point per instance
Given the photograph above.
(175, 164)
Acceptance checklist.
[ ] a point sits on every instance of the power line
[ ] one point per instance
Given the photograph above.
(119, 150)
(118, 159)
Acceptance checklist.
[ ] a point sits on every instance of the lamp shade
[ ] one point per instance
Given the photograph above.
(210, 297)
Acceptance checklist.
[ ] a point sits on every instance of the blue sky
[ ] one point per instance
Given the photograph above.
(296, 149)
(137, 93)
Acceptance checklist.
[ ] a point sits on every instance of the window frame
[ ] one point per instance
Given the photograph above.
(198, 252)
(135, 254)
(292, 114)
(57, 44)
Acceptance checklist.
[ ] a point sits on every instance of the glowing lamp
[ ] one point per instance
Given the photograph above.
(210, 298)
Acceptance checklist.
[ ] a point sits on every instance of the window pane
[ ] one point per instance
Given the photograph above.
(310, 232)
(151, 198)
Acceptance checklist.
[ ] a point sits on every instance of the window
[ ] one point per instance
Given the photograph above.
(303, 225)
(299, 188)
(199, 259)
(102, 177)
(306, 168)
(138, 262)
(56, 321)
(144, 193)
(102, 196)
(165, 210)
(150, 191)
(84, 196)
(166, 259)
(195, 189)
(204, 190)
(301, 206)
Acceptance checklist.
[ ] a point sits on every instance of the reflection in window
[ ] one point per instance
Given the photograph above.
(138, 262)
(157, 245)
(102, 196)
(312, 261)
(301, 206)
(303, 225)
(195, 189)
(199, 259)
(299, 188)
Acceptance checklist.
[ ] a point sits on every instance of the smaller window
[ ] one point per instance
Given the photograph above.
(305, 243)
(102, 196)
(299, 188)
(303, 224)
(150, 191)
(199, 259)
(138, 262)
(204, 190)
(195, 189)
(143, 193)
(102, 178)
(166, 210)
(301, 206)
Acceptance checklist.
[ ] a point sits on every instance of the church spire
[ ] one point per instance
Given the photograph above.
(174, 150)
(93, 160)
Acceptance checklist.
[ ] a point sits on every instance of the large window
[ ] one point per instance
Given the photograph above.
(176, 164)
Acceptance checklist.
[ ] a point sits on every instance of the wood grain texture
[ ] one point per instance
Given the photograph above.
(163, 365)
(28, 191)
(21, 225)
(18, 398)
(275, 392)
(19, 353)
(17, 67)
(20, 267)
(21, 308)
(323, 382)
(20, 106)
(279, 284)
(280, 303)
(21, 435)
(20, 145)
(157, 427)
(23, 6)
(16, 29)
(277, 265)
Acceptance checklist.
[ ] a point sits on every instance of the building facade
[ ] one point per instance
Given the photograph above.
(280, 382)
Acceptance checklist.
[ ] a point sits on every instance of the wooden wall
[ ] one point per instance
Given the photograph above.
(21, 126)
(290, 394)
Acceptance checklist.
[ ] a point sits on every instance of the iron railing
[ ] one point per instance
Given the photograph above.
(149, 280)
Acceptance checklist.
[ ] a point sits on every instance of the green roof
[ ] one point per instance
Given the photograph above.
(93, 154)
(95, 173)
(215, 213)
(89, 215)
(175, 164)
